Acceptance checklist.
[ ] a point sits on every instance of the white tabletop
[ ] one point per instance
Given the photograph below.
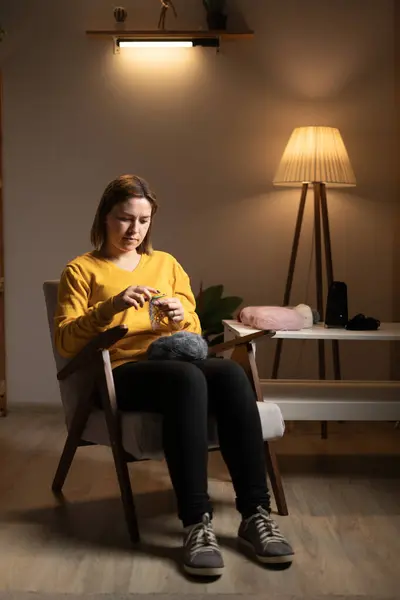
(386, 332)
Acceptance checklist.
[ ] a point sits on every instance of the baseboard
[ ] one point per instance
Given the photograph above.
(35, 407)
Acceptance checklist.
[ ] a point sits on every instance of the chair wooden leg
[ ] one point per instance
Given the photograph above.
(73, 440)
(275, 478)
(107, 391)
(128, 503)
(244, 355)
(67, 456)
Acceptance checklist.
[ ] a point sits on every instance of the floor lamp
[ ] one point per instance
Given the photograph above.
(314, 157)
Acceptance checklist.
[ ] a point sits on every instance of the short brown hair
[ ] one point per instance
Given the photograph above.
(119, 190)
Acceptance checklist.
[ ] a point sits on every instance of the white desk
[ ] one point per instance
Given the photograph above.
(386, 332)
(330, 400)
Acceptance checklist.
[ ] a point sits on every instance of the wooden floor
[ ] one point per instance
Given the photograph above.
(343, 495)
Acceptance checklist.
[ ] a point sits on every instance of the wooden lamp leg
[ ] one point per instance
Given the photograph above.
(329, 276)
(319, 288)
(329, 271)
(289, 280)
(320, 213)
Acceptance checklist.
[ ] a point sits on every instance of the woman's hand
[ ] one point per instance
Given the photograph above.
(135, 295)
(172, 307)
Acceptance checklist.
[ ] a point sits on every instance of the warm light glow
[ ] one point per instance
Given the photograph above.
(155, 44)
(315, 154)
(158, 64)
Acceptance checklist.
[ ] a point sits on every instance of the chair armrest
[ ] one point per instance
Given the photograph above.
(103, 341)
(239, 341)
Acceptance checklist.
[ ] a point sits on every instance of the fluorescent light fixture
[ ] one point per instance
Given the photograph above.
(155, 44)
(164, 42)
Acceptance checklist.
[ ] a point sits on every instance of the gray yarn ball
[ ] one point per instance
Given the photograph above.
(182, 345)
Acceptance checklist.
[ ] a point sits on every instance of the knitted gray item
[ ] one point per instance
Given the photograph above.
(316, 316)
(182, 345)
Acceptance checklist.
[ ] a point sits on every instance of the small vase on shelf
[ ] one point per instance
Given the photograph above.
(120, 14)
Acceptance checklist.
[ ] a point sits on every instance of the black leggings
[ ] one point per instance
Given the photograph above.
(185, 393)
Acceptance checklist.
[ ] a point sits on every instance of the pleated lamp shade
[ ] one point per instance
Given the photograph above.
(315, 154)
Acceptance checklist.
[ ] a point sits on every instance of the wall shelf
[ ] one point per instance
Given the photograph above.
(199, 38)
(167, 35)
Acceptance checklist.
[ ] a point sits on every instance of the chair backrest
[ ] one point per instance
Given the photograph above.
(77, 385)
(50, 290)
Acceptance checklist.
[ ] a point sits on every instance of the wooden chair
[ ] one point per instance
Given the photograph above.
(136, 436)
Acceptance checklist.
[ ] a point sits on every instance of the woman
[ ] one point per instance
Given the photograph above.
(110, 286)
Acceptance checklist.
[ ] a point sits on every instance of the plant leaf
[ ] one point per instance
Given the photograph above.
(230, 304)
(207, 298)
(222, 309)
(213, 292)
(212, 308)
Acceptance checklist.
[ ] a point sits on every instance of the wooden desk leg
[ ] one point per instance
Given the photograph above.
(244, 355)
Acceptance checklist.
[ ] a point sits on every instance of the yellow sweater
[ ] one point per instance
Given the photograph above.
(87, 287)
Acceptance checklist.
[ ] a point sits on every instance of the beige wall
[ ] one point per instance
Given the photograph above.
(207, 131)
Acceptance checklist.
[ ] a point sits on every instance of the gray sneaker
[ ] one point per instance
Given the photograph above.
(261, 534)
(201, 553)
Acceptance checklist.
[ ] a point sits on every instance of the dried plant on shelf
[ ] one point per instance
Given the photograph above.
(165, 5)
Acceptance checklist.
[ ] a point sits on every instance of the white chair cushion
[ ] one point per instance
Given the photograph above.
(142, 437)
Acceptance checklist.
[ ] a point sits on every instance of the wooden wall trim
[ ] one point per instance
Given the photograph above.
(395, 349)
(3, 397)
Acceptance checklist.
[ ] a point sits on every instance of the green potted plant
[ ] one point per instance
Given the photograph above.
(216, 16)
(212, 308)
